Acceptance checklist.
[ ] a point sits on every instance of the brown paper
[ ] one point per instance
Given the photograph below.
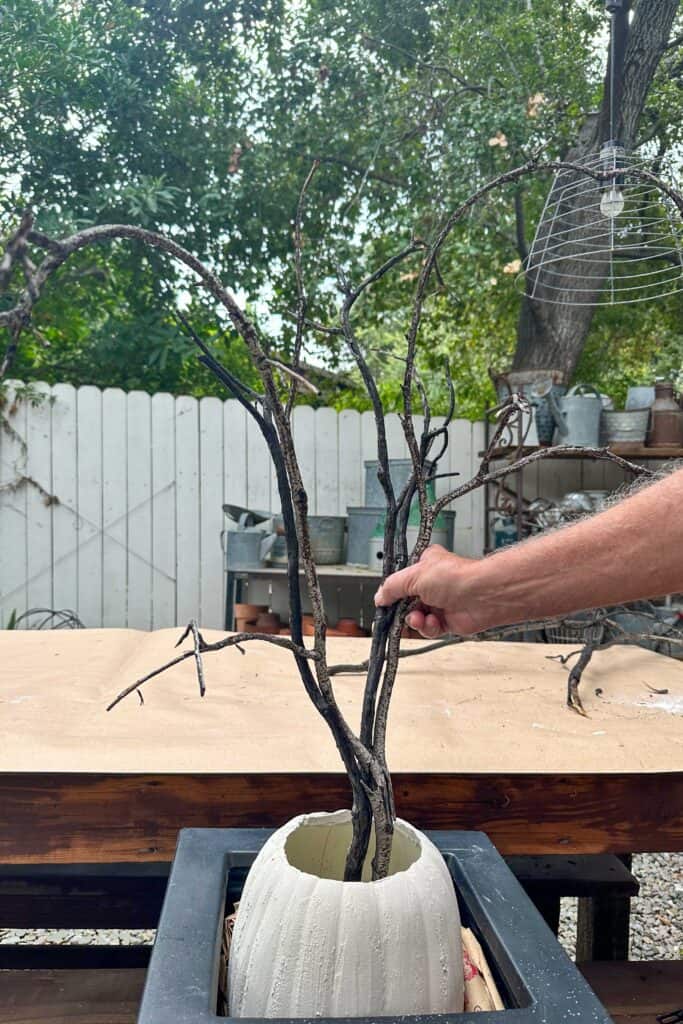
(474, 707)
(481, 992)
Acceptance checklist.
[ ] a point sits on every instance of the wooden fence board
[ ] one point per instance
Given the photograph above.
(139, 470)
(13, 561)
(163, 511)
(65, 489)
(89, 447)
(187, 508)
(115, 499)
(211, 512)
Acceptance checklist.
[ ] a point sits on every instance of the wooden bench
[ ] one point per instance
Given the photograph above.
(633, 993)
(131, 895)
(604, 886)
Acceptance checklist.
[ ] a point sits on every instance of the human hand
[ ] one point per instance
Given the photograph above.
(439, 582)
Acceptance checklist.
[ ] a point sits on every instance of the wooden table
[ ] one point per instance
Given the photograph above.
(91, 803)
(479, 738)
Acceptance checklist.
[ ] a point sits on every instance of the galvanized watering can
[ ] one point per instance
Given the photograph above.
(247, 547)
(577, 416)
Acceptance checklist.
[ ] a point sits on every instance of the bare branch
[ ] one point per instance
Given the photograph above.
(201, 647)
(14, 247)
(297, 377)
(301, 292)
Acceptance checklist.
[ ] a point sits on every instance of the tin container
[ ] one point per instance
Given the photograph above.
(364, 523)
(666, 423)
(629, 427)
(399, 471)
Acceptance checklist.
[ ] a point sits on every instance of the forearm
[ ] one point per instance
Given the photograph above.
(633, 550)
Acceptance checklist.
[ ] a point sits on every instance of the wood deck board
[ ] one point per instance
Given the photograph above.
(633, 993)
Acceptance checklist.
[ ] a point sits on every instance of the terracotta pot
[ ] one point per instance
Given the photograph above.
(267, 622)
(245, 625)
(349, 627)
(249, 611)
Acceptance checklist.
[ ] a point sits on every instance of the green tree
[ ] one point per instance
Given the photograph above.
(202, 118)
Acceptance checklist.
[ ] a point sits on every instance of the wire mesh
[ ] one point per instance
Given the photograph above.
(605, 241)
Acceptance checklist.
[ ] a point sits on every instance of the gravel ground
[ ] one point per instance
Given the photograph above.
(656, 914)
(656, 917)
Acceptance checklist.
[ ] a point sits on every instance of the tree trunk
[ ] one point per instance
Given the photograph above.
(552, 336)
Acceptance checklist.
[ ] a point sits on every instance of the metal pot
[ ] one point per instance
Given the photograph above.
(327, 539)
(629, 427)
(364, 523)
(399, 471)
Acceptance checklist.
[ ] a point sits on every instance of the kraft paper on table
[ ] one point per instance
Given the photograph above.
(475, 707)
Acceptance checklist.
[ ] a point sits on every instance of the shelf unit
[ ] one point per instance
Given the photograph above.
(632, 452)
(350, 578)
(627, 451)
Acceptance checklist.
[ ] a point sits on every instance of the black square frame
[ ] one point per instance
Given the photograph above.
(537, 980)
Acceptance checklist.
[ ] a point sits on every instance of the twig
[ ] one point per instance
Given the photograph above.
(198, 644)
(201, 647)
(297, 377)
(301, 292)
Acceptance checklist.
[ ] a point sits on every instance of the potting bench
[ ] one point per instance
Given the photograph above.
(90, 803)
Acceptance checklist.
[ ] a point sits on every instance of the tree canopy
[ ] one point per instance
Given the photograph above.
(202, 118)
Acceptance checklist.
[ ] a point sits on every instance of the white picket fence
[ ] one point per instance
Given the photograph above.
(111, 503)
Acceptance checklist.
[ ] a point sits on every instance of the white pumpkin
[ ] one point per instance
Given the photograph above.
(307, 944)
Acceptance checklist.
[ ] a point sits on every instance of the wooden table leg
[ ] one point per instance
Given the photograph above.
(603, 925)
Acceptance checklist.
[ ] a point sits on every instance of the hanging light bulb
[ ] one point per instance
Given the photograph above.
(580, 255)
(612, 202)
(612, 158)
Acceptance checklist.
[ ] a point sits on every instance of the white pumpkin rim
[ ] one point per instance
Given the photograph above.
(343, 817)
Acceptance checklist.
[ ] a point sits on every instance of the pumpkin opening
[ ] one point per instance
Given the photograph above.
(318, 847)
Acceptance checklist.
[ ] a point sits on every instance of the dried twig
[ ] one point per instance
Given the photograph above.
(200, 646)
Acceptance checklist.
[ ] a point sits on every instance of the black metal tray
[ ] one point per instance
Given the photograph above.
(538, 982)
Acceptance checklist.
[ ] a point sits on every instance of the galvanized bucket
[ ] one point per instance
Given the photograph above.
(364, 523)
(624, 427)
(577, 416)
(327, 539)
(443, 532)
(399, 471)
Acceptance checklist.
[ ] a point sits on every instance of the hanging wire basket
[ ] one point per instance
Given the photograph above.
(605, 241)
